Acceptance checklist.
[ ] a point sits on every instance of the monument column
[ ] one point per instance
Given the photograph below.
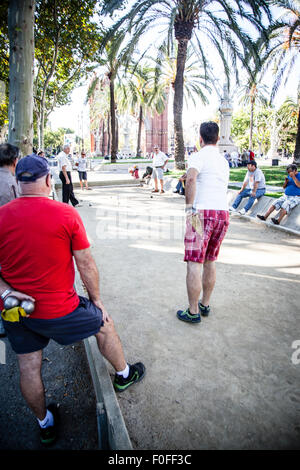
(226, 142)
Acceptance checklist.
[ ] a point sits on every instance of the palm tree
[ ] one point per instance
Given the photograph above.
(253, 92)
(286, 122)
(98, 98)
(116, 54)
(284, 52)
(211, 23)
(140, 95)
(196, 81)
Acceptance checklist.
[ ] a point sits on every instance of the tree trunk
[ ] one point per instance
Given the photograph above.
(297, 146)
(108, 134)
(113, 157)
(117, 134)
(103, 139)
(139, 139)
(251, 125)
(21, 44)
(178, 104)
(274, 139)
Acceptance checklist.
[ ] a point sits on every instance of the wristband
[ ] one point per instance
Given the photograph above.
(5, 293)
(193, 210)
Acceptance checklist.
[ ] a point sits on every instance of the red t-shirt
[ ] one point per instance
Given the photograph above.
(37, 236)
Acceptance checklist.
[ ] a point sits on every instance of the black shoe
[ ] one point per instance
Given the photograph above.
(136, 373)
(204, 311)
(175, 192)
(186, 316)
(261, 217)
(48, 435)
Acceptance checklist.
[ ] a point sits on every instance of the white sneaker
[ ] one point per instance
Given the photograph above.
(242, 211)
(232, 209)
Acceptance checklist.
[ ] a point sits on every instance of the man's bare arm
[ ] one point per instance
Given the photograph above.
(64, 170)
(190, 187)
(90, 276)
(4, 286)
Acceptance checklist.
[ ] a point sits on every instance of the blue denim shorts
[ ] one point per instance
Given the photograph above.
(32, 334)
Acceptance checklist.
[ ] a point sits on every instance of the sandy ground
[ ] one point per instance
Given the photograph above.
(228, 382)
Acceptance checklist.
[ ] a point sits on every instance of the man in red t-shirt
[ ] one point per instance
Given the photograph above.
(38, 239)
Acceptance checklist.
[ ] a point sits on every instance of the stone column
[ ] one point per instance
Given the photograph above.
(226, 142)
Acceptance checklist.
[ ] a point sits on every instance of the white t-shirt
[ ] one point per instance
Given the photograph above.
(81, 164)
(212, 179)
(63, 160)
(254, 177)
(159, 158)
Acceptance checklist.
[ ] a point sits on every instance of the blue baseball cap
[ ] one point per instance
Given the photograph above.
(31, 167)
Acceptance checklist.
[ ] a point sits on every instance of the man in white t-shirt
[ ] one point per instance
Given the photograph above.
(207, 220)
(254, 187)
(65, 168)
(160, 160)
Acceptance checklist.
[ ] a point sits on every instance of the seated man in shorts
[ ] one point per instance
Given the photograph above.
(38, 239)
(289, 200)
(207, 221)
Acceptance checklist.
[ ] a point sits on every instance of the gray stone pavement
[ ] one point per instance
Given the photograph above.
(227, 383)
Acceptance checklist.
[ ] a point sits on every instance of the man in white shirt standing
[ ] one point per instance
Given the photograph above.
(65, 168)
(160, 160)
(207, 220)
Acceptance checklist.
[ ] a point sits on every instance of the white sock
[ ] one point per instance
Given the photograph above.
(47, 421)
(124, 372)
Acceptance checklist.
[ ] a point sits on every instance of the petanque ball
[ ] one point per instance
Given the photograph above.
(28, 306)
(11, 302)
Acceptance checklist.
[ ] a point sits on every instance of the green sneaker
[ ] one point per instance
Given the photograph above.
(185, 315)
(136, 373)
(48, 435)
(204, 311)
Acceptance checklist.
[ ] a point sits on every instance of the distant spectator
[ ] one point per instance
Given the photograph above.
(147, 175)
(180, 188)
(251, 155)
(134, 171)
(228, 158)
(234, 159)
(244, 157)
(8, 162)
(82, 170)
(8, 184)
(65, 169)
(160, 160)
(289, 200)
(254, 187)
(41, 153)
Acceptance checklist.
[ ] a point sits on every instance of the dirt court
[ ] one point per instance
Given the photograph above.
(228, 382)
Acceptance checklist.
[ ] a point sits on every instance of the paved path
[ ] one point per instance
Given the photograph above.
(228, 382)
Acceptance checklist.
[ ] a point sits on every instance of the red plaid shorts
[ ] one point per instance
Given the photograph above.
(205, 231)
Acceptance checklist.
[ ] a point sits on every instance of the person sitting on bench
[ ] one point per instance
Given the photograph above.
(290, 198)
